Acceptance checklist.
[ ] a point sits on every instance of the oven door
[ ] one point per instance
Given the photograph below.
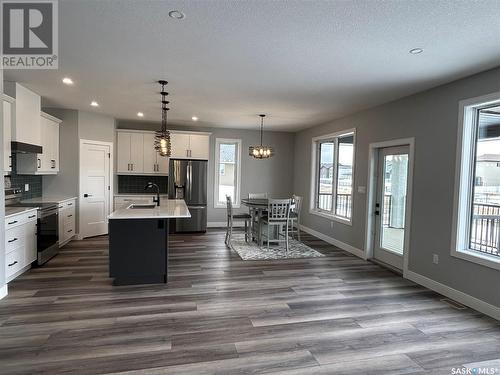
(47, 234)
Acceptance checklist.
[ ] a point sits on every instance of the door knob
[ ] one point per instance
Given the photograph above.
(87, 195)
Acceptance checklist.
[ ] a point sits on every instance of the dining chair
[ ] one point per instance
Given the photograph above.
(278, 215)
(295, 208)
(231, 218)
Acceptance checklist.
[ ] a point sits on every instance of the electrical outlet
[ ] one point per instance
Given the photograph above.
(26, 187)
(435, 258)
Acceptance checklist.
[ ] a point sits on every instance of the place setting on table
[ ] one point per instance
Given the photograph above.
(271, 228)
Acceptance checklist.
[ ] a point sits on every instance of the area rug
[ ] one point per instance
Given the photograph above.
(252, 251)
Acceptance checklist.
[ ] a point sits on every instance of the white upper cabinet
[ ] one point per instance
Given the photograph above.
(180, 145)
(136, 154)
(190, 145)
(130, 152)
(7, 136)
(199, 145)
(26, 116)
(154, 163)
(48, 161)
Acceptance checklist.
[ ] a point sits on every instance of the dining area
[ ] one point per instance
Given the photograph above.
(267, 227)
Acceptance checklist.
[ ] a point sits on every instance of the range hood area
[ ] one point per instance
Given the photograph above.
(25, 148)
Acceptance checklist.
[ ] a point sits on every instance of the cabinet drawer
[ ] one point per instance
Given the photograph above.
(13, 221)
(70, 204)
(68, 214)
(14, 261)
(69, 229)
(14, 238)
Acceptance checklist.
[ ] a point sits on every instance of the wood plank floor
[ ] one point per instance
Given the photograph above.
(221, 315)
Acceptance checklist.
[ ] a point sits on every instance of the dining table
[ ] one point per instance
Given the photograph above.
(257, 206)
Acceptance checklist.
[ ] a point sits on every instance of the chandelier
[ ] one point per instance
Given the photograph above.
(162, 137)
(261, 152)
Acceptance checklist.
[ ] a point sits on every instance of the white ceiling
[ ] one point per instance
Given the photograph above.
(301, 62)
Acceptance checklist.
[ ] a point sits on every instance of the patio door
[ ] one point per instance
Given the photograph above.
(390, 205)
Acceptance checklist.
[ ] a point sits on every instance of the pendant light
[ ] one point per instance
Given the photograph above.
(162, 137)
(261, 152)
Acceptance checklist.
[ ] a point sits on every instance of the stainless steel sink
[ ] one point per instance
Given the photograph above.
(143, 206)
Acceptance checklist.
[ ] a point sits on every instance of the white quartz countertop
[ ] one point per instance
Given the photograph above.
(49, 199)
(11, 211)
(168, 209)
(139, 195)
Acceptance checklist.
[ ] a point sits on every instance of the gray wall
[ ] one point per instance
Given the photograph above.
(2, 196)
(431, 117)
(96, 127)
(75, 125)
(273, 175)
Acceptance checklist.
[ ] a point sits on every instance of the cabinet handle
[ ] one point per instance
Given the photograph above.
(132, 166)
(39, 165)
(12, 222)
(31, 217)
(70, 204)
(10, 161)
(12, 240)
(70, 215)
(71, 230)
(10, 265)
(60, 207)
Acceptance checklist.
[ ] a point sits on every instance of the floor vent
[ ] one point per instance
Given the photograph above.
(454, 304)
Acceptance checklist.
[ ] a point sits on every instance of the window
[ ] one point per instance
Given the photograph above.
(333, 166)
(227, 171)
(477, 207)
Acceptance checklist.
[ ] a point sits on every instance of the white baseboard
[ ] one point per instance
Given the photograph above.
(342, 245)
(457, 295)
(216, 224)
(3, 291)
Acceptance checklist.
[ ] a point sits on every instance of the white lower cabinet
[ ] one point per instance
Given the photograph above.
(20, 243)
(67, 224)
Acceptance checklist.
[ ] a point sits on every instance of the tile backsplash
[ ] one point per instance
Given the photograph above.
(129, 184)
(19, 181)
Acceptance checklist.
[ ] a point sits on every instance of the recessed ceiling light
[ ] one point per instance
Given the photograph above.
(93, 103)
(140, 114)
(67, 81)
(176, 14)
(194, 118)
(416, 51)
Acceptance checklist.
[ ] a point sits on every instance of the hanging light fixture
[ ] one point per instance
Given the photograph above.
(162, 137)
(261, 152)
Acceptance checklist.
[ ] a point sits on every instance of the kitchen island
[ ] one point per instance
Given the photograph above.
(138, 241)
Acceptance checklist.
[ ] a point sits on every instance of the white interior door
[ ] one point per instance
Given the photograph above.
(95, 180)
(390, 206)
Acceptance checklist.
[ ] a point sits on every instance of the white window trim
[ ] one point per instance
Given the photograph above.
(236, 203)
(466, 139)
(314, 174)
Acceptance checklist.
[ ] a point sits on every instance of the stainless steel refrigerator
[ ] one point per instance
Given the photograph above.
(188, 180)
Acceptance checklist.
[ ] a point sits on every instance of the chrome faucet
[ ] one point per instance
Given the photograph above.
(156, 199)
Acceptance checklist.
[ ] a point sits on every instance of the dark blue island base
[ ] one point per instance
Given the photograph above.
(138, 251)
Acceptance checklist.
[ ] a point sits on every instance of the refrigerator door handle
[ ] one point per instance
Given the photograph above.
(189, 180)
